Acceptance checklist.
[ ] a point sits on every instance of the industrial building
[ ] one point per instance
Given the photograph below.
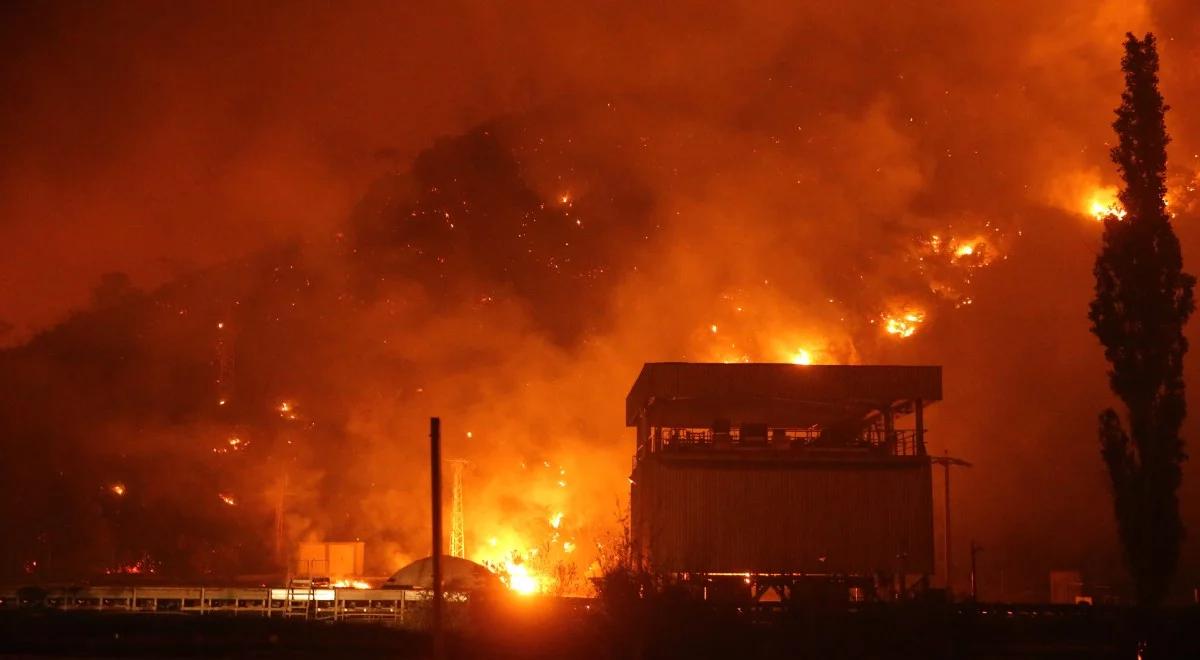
(784, 476)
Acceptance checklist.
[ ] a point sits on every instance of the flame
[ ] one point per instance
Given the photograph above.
(1103, 203)
(227, 499)
(351, 584)
(287, 410)
(904, 324)
(556, 520)
(118, 489)
(143, 565)
(801, 357)
(519, 579)
(232, 443)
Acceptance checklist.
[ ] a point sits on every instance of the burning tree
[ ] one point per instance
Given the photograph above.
(1143, 299)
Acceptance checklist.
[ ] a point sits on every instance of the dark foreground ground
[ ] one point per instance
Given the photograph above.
(545, 630)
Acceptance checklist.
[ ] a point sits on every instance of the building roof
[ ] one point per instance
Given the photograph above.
(689, 394)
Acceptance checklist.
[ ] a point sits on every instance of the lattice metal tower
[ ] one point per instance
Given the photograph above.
(458, 541)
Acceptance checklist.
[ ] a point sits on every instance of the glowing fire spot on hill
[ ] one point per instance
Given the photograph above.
(904, 324)
(1103, 203)
(227, 499)
(802, 357)
(117, 489)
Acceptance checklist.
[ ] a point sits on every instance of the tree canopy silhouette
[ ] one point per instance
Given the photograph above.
(1143, 299)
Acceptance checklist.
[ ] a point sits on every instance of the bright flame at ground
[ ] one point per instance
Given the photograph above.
(117, 489)
(228, 499)
(351, 584)
(802, 357)
(903, 325)
(519, 579)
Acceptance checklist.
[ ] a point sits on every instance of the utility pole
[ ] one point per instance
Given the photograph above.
(280, 525)
(946, 461)
(458, 538)
(435, 479)
(975, 549)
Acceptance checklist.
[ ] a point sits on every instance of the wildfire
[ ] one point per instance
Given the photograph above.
(532, 555)
(974, 248)
(519, 579)
(232, 443)
(351, 584)
(117, 489)
(227, 499)
(904, 324)
(287, 410)
(143, 565)
(802, 357)
(1104, 203)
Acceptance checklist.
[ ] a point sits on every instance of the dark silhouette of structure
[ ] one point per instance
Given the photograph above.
(779, 474)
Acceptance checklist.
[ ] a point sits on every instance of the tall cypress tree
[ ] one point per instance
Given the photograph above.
(1143, 299)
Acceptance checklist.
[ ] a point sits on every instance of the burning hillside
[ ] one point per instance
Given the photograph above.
(331, 226)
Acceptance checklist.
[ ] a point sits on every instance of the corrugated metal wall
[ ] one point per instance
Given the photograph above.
(761, 516)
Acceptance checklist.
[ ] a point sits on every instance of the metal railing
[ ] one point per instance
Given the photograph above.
(335, 604)
(897, 442)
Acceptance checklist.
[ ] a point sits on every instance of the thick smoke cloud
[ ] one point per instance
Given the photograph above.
(496, 215)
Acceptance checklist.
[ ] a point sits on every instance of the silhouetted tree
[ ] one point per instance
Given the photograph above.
(1143, 299)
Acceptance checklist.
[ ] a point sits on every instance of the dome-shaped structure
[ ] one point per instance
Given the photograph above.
(458, 574)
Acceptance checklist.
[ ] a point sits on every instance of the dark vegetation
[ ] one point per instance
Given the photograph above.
(1143, 300)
